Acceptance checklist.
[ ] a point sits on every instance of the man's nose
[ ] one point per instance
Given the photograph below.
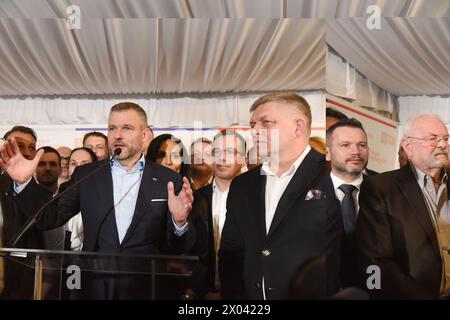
(442, 143)
(117, 134)
(255, 130)
(354, 149)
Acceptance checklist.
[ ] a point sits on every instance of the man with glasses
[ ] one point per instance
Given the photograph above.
(228, 151)
(403, 224)
(64, 153)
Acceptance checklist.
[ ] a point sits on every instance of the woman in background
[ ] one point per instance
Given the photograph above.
(74, 227)
(168, 151)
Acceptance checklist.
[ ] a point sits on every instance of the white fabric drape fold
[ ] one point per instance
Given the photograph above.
(162, 111)
(223, 8)
(153, 56)
(413, 105)
(345, 81)
(407, 56)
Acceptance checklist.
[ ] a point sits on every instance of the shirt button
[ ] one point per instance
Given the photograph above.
(265, 253)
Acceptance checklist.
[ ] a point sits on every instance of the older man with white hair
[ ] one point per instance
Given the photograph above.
(404, 219)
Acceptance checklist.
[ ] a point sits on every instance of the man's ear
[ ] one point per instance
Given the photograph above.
(406, 144)
(300, 127)
(146, 133)
(327, 154)
(244, 162)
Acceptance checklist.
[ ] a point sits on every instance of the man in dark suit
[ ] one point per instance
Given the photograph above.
(403, 220)
(128, 205)
(281, 214)
(348, 152)
(19, 278)
(228, 151)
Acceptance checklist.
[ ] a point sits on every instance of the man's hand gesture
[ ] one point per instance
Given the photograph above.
(181, 205)
(18, 168)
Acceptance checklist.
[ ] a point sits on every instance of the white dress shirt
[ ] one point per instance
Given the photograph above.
(337, 182)
(75, 227)
(219, 210)
(275, 186)
(125, 191)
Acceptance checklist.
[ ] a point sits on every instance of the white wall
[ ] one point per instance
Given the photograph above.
(61, 122)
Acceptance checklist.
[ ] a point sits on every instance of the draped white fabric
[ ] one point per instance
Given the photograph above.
(147, 56)
(410, 106)
(407, 56)
(223, 8)
(345, 81)
(162, 111)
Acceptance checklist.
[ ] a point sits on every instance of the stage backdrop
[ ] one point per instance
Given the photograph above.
(382, 133)
(63, 122)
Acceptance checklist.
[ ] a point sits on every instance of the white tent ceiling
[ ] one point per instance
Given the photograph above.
(223, 8)
(406, 56)
(146, 56)
(227, 46)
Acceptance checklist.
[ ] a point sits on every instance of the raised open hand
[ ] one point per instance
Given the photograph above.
(17, 167)
(181, 205)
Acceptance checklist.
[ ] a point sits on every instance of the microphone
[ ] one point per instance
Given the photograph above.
(116, 152)
(35, 217)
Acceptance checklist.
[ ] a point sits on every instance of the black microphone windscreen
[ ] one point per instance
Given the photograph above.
(117, 152)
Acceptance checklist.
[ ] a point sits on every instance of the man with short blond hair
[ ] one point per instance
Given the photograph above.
(283, 214)
(127, 204)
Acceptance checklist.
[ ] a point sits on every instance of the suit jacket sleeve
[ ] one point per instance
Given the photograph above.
(231, 252)
(188, 242)
(334, 233)
(200, 248)
(374, 241)
(57, 213)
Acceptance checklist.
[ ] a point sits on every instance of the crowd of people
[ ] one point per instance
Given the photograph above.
(286, 219)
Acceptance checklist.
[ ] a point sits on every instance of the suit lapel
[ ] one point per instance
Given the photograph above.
(308, 170)
(414, 196)
(146, 191)
(105, 193)
(208, 196)
(5, 183)
(261, 202)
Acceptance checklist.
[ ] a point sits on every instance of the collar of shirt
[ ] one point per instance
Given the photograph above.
(219, 210)
(337, 182)
(115, 165)
(216, 187)
(266, 166)
(423, 179)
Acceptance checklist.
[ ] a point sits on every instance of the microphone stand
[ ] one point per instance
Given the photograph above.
(36, 217)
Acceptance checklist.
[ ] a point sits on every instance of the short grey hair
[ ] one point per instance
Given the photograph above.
(408, 130)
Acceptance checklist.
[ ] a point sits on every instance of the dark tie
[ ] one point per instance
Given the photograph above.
(348, 208)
